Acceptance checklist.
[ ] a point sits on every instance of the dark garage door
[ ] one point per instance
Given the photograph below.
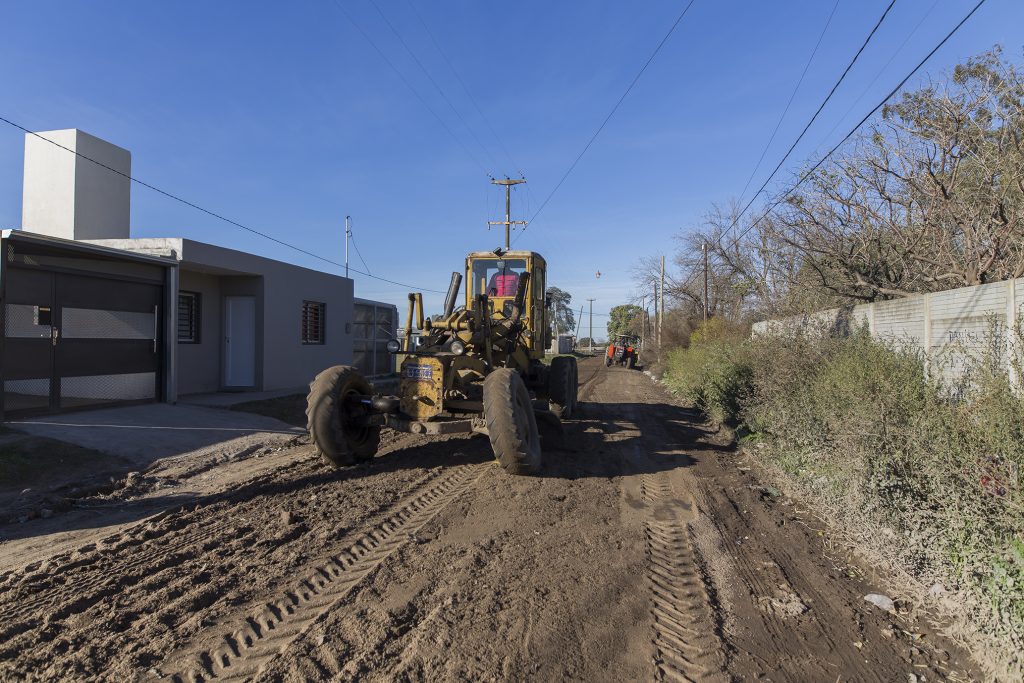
(74, 341)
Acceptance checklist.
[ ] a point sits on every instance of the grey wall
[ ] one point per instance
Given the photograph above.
(288, 362)
(284, 362)
(199, 364)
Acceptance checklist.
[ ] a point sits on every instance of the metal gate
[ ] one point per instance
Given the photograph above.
(374, 325)
(73, 340)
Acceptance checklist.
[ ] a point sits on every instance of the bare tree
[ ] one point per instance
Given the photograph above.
(930, 198)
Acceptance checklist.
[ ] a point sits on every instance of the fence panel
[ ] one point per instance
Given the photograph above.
(949, 328)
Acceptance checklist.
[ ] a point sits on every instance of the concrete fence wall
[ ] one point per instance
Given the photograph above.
(953, 326)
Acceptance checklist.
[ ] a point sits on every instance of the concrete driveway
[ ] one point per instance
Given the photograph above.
(145, 433)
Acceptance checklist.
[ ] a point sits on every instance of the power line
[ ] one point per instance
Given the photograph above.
(846, 137)
(879, 74)
(206, 211)
(800, 137)
(803, 74)
(409, 85)
(465, 88)
(430, 78)
(352, 236)
(614, 109)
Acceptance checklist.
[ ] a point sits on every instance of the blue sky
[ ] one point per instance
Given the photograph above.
(283, 117)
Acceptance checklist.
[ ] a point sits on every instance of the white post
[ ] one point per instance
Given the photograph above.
(1012, 348)
(348, 233)
(927, 341)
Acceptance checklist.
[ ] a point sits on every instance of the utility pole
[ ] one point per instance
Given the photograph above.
(348, 234)
(508, 222)
(643, 319)
(579, 321)
(661, 300)
(654, 327)
(704, 248)
(554, 324)
(591, 324)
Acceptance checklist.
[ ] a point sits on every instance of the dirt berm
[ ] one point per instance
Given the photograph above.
(644, 551)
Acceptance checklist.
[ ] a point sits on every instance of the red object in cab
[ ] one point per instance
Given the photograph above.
(503, 285)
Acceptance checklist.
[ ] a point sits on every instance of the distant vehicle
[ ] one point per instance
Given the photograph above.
(623, 350)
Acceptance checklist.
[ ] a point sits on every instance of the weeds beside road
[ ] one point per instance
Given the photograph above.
(926, 474)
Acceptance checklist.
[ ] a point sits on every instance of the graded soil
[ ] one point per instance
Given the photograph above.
(643, 551)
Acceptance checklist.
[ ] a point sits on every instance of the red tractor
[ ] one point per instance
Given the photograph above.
(624, 350)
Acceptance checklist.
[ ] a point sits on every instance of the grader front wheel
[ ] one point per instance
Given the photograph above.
(337, 424)
(511, 424)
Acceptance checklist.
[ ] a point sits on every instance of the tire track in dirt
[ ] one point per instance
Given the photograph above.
(587, 385)
(786, 598)
(687, 647)
(126, 599)
(149, 546)
(246, 645)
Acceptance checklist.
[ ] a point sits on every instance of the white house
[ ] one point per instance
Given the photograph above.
(94, 316)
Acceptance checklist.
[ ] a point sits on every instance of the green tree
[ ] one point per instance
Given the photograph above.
(625, 319)
(561, 310)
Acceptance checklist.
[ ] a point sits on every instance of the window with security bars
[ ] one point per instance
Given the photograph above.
(312, 322)
(188, 318)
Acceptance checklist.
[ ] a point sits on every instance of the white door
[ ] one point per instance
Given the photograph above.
(239, 341)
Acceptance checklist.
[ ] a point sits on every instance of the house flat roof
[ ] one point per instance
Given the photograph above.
(93, 250)
(205, 257)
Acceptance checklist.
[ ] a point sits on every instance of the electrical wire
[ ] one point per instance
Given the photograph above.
(352, 236)
(409, 85)
(803, 74)
(615, 108)
(207, 211)
(804, 176)
(465, 88)
(878, 74)
(800, 137)
(433, 82)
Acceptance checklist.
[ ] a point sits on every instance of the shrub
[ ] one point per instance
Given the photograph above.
(857, 424)
(927, 471)
(713, 373)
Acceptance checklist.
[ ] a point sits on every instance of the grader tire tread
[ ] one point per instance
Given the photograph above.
(324, 421)
(515, 442)
(575, 386)
(560, 387)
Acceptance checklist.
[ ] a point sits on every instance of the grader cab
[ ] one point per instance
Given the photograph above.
(476, 367)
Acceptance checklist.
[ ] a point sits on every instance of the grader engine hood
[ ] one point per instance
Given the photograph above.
(421, 387)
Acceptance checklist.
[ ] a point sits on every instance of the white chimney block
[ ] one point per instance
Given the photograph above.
(73, 198)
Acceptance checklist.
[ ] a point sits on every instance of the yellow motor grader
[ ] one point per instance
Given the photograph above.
(474, 368)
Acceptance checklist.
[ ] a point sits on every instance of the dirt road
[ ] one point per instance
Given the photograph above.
(645, 551)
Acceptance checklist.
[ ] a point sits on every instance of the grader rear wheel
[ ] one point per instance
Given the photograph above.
(336, 425)
(574, 385)
(511, 424)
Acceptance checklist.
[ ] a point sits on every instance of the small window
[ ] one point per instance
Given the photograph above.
(312, 322)
(188, 318)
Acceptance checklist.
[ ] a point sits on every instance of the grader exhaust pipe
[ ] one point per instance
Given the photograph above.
(453, 294)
